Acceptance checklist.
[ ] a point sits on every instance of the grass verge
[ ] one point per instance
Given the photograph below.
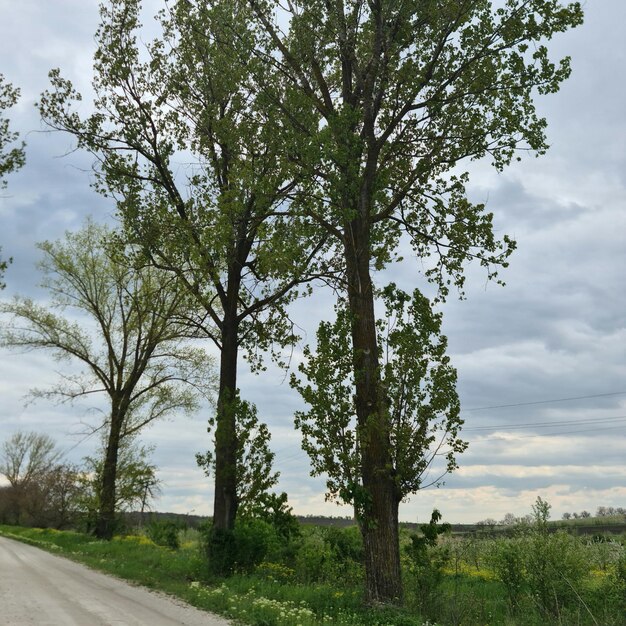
(258, 600)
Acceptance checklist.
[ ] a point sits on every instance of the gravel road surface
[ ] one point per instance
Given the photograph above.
(42, 589)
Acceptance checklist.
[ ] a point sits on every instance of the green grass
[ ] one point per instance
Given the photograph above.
(260, 600)
(466, 592)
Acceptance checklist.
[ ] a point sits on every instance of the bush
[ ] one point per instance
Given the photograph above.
(604, 551)
(164, 533)
(273, 509)
(241, 549)
(219, 547)
(426, 563)
(555, 564)
(346, 544)
(313, 559)
(617, 586)
(507, 560)
(549, 566)
(255, 539)
(329, 554)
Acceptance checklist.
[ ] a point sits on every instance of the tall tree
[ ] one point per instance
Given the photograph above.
(196, 158)
(404, 92)
(134, 350)
(11, 155)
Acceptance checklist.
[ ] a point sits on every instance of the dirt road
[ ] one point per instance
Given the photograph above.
(41, 589)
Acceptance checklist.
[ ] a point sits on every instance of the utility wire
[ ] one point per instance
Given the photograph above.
(572, 432)
(586, 420)
(506, 406)
(295, 457)
(558, 434)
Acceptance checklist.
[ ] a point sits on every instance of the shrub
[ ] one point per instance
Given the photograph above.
(164, 533)
(617, 583)
(241, 549)
(346, 544)
(254, 540)
(329, 554)
(604, 551)
(555, 564)
(313, 559)
(273, 509)
(426, 563)
(219, 547)
(507, 560)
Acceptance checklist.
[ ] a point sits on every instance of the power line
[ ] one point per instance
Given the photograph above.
(295, 455)
(586, 420)
(558, 434)
(507, 406)
(572, 432)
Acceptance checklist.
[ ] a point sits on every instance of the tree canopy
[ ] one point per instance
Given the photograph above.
(420, 388)
(12, 155)
(26, 456)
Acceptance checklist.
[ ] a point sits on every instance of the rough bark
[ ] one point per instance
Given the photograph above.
(225, 501)
(379, 508)
(383, 581)
(105, 522)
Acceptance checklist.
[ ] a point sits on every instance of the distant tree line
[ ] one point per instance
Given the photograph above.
(46, 491)
(513, 520)
(601, 511)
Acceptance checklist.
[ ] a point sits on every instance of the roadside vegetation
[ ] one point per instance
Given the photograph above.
(287, 574)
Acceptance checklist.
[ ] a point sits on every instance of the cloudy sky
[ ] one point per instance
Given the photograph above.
(541, 362)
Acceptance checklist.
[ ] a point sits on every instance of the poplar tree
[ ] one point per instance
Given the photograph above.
(419, 383)
(195, 155)
(404, 92)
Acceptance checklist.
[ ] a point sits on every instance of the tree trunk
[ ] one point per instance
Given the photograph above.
(378, 518)
(381, 543)
(225, 502)
(105, 523)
